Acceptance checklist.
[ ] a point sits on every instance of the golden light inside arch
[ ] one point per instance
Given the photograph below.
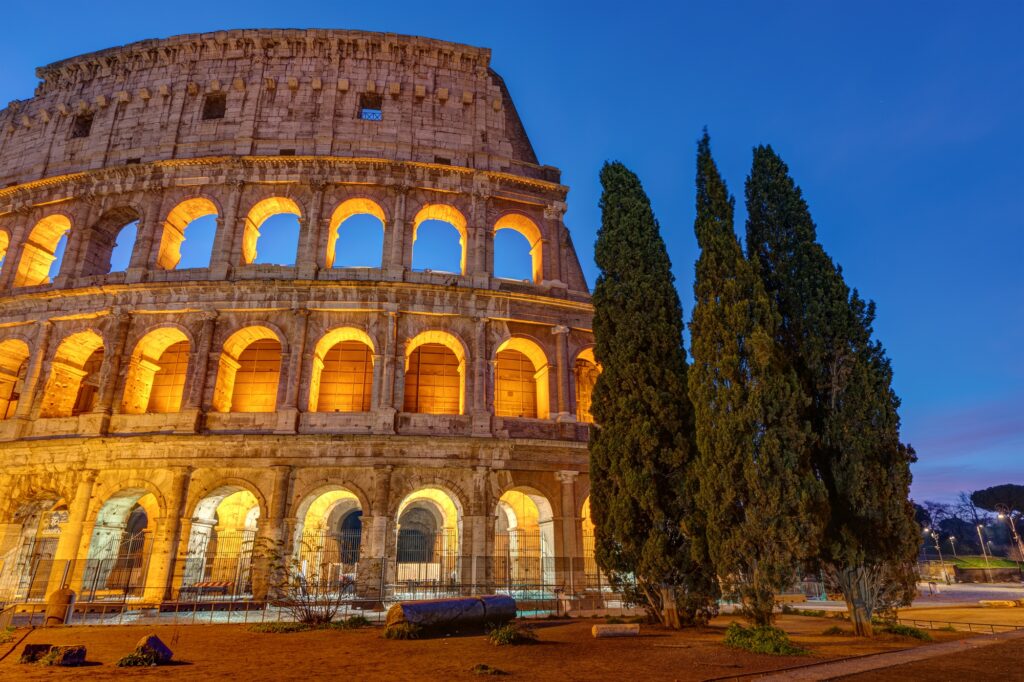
(447, 214)
(442, 393)
(522, 509)
(235, 511)
(257, 216)
(586, 370)
(529, 230)
(160, 360)
(175, 225)
(249, 371)
(13, 358)
(350, 381)
(320, 509)
(442, 501)
(346, 210)
(5, 242)
(512, 382)
(37, 254)
(68, 369)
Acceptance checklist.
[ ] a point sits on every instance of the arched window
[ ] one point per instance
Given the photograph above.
(434, 374)
(521, 380)
(342, 379)
(109, 243)
(13, 364)
(427, 546)
(187, 237)
(5, 242)
(273, 225)
(518, 249)
(124, 244)
(439, 239)
(42, 252)
(156, 373)
(222, 541)
(356, 235)
(249, 372)
(585, 370)
(73, 385)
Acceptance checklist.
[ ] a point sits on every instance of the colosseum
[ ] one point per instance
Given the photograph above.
(177, 389)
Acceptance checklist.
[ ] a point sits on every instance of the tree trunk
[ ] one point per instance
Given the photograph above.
(854, 582)
(670, 612)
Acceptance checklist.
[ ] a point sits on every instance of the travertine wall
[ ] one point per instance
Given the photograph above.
(148, 150)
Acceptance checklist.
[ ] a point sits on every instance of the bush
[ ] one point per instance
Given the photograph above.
(905, 631)
(484, 669)
(764, 639)
(280, 628)
(511, 633)
(6, 635)
(402, 631)
(353, 622)
(612, 620)
(835, 630)
(138, 659)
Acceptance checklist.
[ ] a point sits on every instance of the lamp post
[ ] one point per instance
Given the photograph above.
(981, 539)
(952, 543)
(1005, 513)
(942, 563)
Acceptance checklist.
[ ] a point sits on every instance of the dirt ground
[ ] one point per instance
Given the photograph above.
(997, 662)
(967, 614)
(566, 651)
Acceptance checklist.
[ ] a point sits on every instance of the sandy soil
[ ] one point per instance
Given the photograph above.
(566, 652)
(997, 662)
(967, 614)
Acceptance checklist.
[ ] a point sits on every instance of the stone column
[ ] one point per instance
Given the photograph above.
(553, 258)
(374, 548)
(561, 377)
(569, 572)
(397, 257)
(478, 536)
(483, 371)
(78, 238)
(34, 385)
(309, 258)
(389, 394)
(200, 360)
(168, 537)
(142, 253)
(288, 408)
(110, 376)
(272, 532)
(481, 241)
(226, 243)
(20, 229)
(67, 557)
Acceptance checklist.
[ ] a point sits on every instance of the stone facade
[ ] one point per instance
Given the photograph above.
(122, 135)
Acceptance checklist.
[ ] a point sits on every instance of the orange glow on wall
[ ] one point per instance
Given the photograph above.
(37, 254)
(249, 372)
(515, 388)
(346, 380)
(13, 364)
(74, 376)
(586, 371)
(155, 379)
(433, 381)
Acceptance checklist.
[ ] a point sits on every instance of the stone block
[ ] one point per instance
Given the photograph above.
(615, 630)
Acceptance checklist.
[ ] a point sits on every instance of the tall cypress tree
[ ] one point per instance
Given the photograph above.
(870, 537)
(641, 453)
(758, 491)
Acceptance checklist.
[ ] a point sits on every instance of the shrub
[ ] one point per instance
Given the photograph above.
(511, 633)
(402, 631)
(6, 635)
(353, 622)
(484, 669)
(835, 630)
(612, 620)
(138, 659)
(279, 628)
(905, 631)
(763, 639)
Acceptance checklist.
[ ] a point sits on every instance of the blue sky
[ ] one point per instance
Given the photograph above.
(901, 121)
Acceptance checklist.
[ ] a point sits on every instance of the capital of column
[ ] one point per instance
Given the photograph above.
(559, 329)
(567, 477)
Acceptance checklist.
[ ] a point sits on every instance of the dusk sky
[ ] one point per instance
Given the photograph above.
(902, 122)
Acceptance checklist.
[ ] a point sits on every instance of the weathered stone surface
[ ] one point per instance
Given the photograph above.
(66, 656)
(154, 646)
(453, 613)
(615, 630)
(58, 606)
(33, 652)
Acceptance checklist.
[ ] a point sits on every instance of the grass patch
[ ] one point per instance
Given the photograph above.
(979, 562)
(280, 628)
(613, 620)
(835, 630)
(764, 639)
(403, 631)
(904, 631)
(813, 613)
(512, 633)
(6, 635)
(484, 669)
(353, 623)
(947, 628)
(138, 659)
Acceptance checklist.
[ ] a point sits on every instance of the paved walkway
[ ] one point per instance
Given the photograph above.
(831, 670)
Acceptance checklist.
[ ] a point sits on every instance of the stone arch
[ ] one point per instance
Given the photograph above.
(512, 380)
(123, 526)
(524, 546)
(5, 243)
(441, 367)
(99, 241)
(345, 210)
(531, 232)
(29, 545)
(73, 384)
(258, 214)
(174, 232)
(592, 574)
(14, 354)
(252, 349)
(342, 376)
(585, 372)
(38, 252)
(428, 535)
(329, 534)
(448, 214)
(157, 370)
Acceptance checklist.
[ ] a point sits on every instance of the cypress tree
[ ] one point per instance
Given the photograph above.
(758, 491)
(870, 538)
(640, 454)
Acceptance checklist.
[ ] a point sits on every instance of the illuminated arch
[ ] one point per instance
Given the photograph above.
(223, 535)
(447, 214)
(343, 212)
(524, 547)
(155, 380)
(38, 252)
(529, 230)
(342, 378)
(13, 363)
(256, 352)
(121, 541)
(585, 372)
(74, 374)
(175, 226)
(513, 382)
(428, 537)
(328, 535)
(257, 216)
(422, 355)
(5, 243)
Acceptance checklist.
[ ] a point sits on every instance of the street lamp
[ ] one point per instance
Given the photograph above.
(981, 539)
(942, 564)
(952, 543)
(1004, 513)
